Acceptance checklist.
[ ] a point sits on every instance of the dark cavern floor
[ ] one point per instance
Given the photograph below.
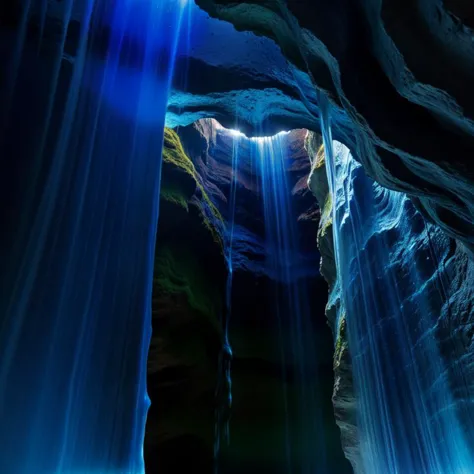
(237, 236)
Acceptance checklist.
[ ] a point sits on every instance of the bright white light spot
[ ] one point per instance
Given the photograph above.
(236, 133)
(263, 139)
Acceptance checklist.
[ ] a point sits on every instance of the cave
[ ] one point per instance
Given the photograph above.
(238, 236)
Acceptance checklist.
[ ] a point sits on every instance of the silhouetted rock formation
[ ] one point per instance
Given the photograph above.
(399, 75)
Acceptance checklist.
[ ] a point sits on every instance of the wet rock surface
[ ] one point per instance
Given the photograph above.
(445, 269)
(188, 300)
(343, 396)
(399, 77)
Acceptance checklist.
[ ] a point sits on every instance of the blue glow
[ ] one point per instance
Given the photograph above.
(238, 133)
(139, 65)
(280, 261)
(291, 307)
(389, 280)
(76, 301)
(224, 387)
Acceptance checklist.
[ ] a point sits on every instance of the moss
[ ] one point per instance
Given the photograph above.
(326, 209)
(341, 341)
(326, 216)
(177, 271)
(325, 225)
(320, 158)
(174, 154)
(175, 195)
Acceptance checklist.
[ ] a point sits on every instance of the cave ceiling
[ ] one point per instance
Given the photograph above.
(397, 73)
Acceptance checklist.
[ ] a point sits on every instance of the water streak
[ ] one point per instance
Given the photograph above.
(81, 144)
(224, 387)
(408, 420)
(305, 445)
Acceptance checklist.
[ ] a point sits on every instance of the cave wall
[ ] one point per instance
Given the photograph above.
(448, 275)
(412, 109)
(400, 72)
(257, 425)
(188, 300)
(397, 73)
(343, 396)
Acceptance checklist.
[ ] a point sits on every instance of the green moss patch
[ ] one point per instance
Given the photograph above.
(320, 158)
(326, 217)
(341, 342)
(174, 154)
(174, 195)
(177, 271)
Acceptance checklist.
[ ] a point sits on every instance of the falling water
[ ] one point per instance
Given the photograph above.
(408, 421)
(305, 443)
(85, 94)
(224, 384)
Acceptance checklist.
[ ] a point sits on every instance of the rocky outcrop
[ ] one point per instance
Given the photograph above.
(411, 113)
(406, 115)
(258, 424)
(343, 397)
(434, 290)
(188, 300)
(455, 328)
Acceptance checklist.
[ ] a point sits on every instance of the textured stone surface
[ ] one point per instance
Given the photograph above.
(456, 325)
(257, 425)
(400, 74)
(188, 299)
(343, 397)
(446, 270)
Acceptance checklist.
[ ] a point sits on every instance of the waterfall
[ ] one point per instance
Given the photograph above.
(85, 91)
(224, 383)
(389, 273)
(305, 438)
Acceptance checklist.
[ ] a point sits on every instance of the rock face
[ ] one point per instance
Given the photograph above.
(400, 74)
(343, 397)
(188, 300)
(446, 317)
(187, 332)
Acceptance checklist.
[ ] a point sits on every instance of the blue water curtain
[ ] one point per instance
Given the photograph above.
(391, 280)
(304, 441)
(224, 381)
(83, 103)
